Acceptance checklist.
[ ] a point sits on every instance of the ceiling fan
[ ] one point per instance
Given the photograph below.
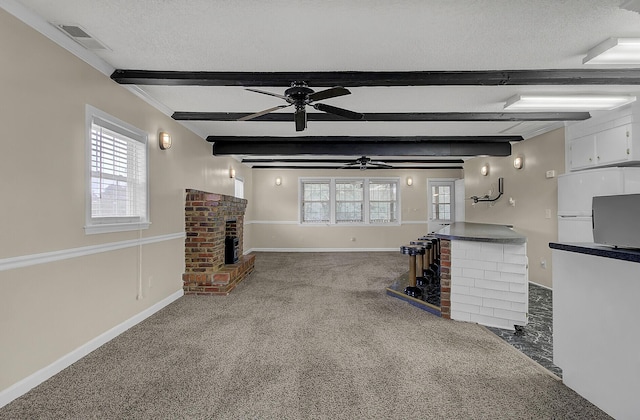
(300, 95)
(364, 162)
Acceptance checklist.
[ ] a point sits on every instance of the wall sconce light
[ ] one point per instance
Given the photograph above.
(485, 169)
(164, 140)
(409, 181)
(518, 162)
(232, 173)
(278, 181)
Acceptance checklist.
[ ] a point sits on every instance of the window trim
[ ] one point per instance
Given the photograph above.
(332, 201)
(112, 224)
(301, 220)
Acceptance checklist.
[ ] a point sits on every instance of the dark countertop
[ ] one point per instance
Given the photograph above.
(625, 254)
(481, 232)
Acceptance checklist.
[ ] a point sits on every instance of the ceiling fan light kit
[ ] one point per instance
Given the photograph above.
(364, 162)
(300, 95)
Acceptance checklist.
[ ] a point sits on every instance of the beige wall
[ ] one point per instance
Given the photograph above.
(48, 310)
(534, 196)
(274, 222)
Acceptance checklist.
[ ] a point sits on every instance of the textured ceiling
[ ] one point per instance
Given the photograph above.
(355, 35)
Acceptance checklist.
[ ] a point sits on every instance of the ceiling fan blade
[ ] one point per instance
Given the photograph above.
(329, 93)
(277, 95)
(339, 111)
(258, 114)
(300, 117)
(381, 164)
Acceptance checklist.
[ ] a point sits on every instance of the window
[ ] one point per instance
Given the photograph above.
(349, 201)
(117, 196)
(441, 197)
(315, 202)
(383, 202)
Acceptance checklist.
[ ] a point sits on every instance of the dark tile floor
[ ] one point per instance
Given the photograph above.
(537, 340)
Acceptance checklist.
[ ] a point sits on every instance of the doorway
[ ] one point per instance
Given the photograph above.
(443, 202)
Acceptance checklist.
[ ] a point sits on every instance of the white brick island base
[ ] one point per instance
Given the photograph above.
(484, 275)
(489, 283)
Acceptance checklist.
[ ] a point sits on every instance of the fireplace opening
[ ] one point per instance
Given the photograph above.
(231, 242)
(231, 250)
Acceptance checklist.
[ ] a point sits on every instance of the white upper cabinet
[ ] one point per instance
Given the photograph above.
(613, 146)
(582, 152)
(604, 141)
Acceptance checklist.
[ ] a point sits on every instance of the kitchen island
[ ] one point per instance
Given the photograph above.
(484, 274)
(595, 324)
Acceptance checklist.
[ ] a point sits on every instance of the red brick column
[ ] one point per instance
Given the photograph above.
(445, 278)
(208, 219)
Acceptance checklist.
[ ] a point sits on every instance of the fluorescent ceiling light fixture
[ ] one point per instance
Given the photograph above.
(615, 51)
(568, 102)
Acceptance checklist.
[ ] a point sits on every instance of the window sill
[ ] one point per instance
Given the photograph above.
(115, 227)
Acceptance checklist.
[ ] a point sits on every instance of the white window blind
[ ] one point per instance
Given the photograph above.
(118, 176)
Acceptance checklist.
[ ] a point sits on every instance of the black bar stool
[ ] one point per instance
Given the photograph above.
(412, 251)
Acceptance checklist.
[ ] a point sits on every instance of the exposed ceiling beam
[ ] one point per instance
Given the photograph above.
(367, 139)
(355, 167)
(377, 146)
(390, 161)
(391, 116)
(376, 78)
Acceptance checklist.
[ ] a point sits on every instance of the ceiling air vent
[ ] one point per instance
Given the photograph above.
(81, 36)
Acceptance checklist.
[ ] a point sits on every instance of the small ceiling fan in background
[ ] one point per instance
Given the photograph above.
(300, 95)
(364, 162)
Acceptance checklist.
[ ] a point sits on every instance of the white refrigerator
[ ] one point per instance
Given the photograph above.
(576, 191)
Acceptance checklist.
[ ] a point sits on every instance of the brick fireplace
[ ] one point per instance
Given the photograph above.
(211, 220)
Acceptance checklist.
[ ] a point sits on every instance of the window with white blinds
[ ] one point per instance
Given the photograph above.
(117, 175)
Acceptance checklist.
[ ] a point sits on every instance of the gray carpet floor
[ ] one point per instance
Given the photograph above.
(305, 336)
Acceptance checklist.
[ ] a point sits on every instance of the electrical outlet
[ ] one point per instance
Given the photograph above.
(547, 213)
(551, 174)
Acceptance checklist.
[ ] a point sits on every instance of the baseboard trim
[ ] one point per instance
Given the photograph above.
(541, 285)
(47, 257)
(23, 386)
(322, 250)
